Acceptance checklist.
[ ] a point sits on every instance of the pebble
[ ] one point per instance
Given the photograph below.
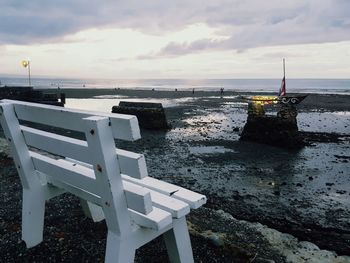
(216, 240)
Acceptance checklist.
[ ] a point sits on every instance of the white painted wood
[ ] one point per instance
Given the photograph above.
(33, 204)
(138, 198)
(194, 199)
(56, 144)
(75, 175)
(33, 210)
(154, 184)
(156, 220)
(19, 149)
(92, 211)
(119, 251)
(175, 207)
(112, 183)
(132, 164)
(178, 243)
(99, 136)
(95, 199)
(125, 127)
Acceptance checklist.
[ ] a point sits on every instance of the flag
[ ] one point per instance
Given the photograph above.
(25, 63)
(282, 91)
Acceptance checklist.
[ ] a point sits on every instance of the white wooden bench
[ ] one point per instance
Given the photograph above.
(111, 183)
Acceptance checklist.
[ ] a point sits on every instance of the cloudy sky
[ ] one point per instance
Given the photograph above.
(176, 39)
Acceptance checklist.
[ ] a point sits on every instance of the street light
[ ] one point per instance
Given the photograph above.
(26, 64)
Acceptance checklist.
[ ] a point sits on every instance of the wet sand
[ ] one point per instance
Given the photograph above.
(302, 193)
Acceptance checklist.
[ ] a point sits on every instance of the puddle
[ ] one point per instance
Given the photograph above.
(238, 104)
(106, 102)
(338, 122)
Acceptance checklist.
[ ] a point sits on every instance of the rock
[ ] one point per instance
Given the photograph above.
(4, 147)
(280, 130)
(216, 240)
(150, 115)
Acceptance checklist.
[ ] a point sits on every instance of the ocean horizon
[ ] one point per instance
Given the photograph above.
(322, 86)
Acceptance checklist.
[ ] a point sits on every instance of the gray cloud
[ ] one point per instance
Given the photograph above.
(247, 24)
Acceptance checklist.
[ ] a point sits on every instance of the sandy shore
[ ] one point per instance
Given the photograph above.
(265, 204)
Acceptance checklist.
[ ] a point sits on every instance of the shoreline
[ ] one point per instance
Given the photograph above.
(314, 101)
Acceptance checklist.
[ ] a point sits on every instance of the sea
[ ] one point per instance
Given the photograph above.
(321, 86)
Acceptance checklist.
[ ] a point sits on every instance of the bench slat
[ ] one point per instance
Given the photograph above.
(157, 219)
(194, 199)
(176, 208)
(138, 198)
(56, 144)
(132, 164)
(125, 127)
(77, 191)
(75, 175)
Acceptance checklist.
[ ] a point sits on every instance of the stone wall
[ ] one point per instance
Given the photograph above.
(150, 115)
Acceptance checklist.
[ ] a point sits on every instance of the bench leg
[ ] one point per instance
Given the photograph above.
(119, 251)
(178, 242)
(92, 211)
(33, 211)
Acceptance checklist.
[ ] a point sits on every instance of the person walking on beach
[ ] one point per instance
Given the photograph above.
(222, 91)
(193, 91)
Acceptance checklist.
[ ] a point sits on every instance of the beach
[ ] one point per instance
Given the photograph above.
(265, 203)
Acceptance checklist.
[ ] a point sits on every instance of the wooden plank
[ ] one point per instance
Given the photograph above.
(19, 149)
(124, 127)
(194, 199)
(75, 190)
(153, 184)
(75, 175)
(132, 164)
(56, 144)
(175, 207)
(128, 166)
(107, 172)
(157, 219)
(138, 198)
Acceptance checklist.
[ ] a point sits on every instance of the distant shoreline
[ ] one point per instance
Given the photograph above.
(165, 93)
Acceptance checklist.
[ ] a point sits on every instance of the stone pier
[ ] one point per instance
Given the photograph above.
(281, 130)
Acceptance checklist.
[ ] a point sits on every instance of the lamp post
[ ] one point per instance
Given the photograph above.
(26, 64)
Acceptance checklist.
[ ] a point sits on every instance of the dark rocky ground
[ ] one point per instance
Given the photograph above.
(304, 194)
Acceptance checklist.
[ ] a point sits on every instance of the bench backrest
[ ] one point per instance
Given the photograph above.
(99, 179)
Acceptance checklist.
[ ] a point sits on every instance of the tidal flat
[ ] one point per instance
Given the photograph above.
(265, 203)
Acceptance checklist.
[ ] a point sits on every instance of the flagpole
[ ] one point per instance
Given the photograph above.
(284, 71)
(29, 72)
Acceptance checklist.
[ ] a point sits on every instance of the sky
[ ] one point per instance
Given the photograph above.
(176, 39)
